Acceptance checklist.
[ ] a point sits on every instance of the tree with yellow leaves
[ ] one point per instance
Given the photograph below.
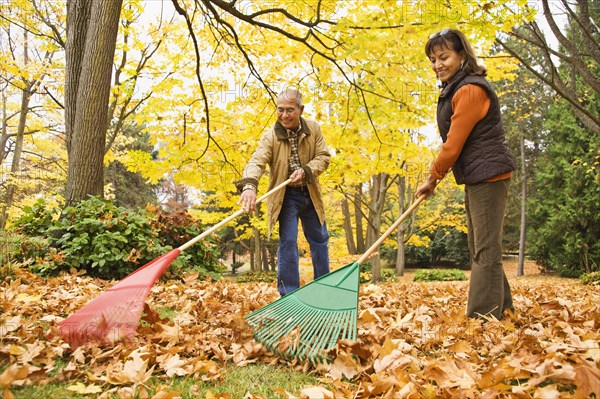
(363, 73)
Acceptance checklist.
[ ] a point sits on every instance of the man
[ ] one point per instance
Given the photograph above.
(293, 148)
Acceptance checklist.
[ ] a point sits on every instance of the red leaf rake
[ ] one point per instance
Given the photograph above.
(115, 314)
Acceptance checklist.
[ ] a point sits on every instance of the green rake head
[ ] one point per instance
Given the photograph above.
(312, 319)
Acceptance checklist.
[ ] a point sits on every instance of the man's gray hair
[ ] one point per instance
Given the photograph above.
(291, 94)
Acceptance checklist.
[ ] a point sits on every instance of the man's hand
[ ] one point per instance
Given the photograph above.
(248, 200)
(297, 176)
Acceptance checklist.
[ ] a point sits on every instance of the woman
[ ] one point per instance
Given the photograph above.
(469, 121)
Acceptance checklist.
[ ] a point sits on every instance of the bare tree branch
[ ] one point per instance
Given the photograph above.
(577, 59)
(188, 21)
(58, 33)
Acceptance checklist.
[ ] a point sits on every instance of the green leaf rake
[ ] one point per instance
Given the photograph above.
(312, 319)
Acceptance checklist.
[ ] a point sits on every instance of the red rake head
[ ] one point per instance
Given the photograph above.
(115, 314)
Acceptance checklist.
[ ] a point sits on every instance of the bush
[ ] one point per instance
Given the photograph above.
(178, 227)
(446, 245)
(104, 240)
(366, 275)
(440, 275)
(590, 278)
(418, 255)
(257, 277)
(9, 248)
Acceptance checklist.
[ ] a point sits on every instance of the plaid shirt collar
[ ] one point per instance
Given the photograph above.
(282, 133)
(294, 134)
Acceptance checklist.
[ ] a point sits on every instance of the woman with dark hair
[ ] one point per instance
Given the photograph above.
(474, 147)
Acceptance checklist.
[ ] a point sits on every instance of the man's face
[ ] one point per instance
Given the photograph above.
(288, 113)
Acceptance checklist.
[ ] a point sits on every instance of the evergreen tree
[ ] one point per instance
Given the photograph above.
(566, 207)
(565, 215)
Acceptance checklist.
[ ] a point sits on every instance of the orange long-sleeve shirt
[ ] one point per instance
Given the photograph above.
(470, 104)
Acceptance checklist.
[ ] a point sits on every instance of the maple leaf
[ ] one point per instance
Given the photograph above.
(316, 393)
(134, 370)
(82, 389)
(547, 392)
(169, 333)
(396, 359)
(587, 380)
(14, 373)
(149, 315)
(163, 392)
(173, 365)
(9, 324)
(344, 365)
(449, 373)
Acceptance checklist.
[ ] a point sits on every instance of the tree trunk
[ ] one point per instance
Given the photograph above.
(348, 228)
(400, 255)
(78, 16)
(257, 264)
(521, 262)
(4, 137)
(265, 257)
(92, 27)
(378, 191)
(16, 159)
(273, 256)
(358, 218)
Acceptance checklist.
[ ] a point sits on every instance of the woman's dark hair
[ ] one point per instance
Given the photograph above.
(455, 40)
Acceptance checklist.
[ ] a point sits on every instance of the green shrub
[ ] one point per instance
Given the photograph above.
(590, 278)
(418, 255)
(366, 273)
(446, 245)
(178, 227)
(104, 240)
(9, 248)
(257, 277)
(439, 275)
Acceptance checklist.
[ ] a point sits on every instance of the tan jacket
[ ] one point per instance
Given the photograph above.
(274, 150)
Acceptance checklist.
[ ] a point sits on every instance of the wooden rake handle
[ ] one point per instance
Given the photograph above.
(390, 229)
(230, 218)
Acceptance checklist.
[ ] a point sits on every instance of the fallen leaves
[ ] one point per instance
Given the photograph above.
(413, 341)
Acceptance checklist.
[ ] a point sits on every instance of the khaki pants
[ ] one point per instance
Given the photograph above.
(489, 291)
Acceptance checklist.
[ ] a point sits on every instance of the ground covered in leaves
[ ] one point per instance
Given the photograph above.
(413, 340)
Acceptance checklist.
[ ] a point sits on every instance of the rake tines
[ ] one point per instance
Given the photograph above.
(295, 330)
(311, 319)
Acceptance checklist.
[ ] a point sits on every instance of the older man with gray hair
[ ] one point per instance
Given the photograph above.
(295, 149)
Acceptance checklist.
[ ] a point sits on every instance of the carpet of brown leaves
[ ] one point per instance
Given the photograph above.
(414, 340)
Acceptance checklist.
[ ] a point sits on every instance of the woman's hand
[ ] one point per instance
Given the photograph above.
(427, 188)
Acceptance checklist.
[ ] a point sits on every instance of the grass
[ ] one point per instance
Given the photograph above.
(439, 275)
(167, 312)
(258, 379)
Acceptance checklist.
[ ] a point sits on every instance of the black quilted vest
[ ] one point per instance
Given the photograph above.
(485, 153)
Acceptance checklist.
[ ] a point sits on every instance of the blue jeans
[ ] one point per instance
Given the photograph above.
(298, 205)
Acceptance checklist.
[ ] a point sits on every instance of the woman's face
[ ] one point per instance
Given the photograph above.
(445, 63)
